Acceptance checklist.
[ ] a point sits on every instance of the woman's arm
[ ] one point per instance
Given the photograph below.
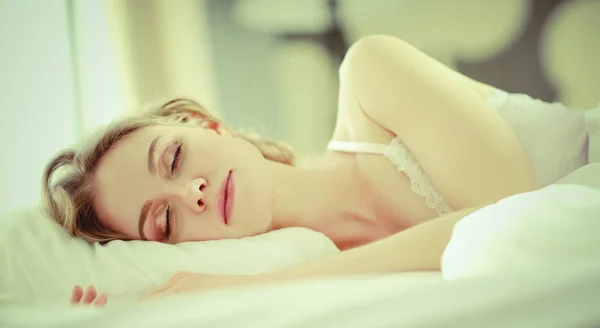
(419, 248)
(468, 151)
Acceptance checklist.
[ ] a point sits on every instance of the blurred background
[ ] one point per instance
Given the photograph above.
(69, 66)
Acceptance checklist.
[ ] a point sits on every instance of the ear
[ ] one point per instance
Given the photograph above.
(217, 127)
(222, 131)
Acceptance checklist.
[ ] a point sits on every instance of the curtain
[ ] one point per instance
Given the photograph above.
(70, 66)
(164, 50)
(39, 113)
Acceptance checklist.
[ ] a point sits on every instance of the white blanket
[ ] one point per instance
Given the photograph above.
(541, 299)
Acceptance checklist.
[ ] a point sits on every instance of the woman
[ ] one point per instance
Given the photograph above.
(413, 141)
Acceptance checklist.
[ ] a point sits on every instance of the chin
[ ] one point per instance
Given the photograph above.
(251, 227)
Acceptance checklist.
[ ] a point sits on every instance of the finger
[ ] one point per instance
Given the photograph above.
(90, 295)
(101, 300)
(76, 294)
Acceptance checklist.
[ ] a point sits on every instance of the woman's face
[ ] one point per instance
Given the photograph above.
(184, 183)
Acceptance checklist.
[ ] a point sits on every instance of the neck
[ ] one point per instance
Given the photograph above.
(327, 198)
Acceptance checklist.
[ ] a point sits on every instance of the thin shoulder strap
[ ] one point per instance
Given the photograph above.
(357, 147)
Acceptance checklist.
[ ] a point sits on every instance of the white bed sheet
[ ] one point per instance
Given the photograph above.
(535, 299)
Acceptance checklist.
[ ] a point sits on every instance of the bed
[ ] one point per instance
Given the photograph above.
(536, 299)
(530, 260)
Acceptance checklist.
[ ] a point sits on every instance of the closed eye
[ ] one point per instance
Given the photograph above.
(176, 159)
(164, 224)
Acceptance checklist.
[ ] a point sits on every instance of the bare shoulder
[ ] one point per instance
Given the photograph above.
(484, 90)
(375, 66)
(372, 75)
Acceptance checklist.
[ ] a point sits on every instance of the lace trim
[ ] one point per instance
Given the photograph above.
(420, 184)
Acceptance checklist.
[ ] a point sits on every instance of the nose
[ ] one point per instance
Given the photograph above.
(194, 194)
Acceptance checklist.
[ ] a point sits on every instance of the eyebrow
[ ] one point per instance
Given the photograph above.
(151, 165)
(143, 218)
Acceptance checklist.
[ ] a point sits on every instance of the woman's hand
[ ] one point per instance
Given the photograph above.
(180, 283)
(88, 297)
(187, 281)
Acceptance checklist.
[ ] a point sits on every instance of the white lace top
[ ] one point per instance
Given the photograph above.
(563, 141)
(400, 155)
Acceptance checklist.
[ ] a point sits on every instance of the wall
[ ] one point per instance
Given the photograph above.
(59, 80)
(37, 99)
(163, 51)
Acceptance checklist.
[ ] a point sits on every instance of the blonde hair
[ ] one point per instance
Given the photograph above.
(68, 199)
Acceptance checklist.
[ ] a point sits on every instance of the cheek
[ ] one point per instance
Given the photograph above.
(217, 153)
(201, 229)
(112, 216)
(255, 207)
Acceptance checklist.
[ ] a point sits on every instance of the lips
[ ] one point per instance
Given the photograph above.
(226, 197)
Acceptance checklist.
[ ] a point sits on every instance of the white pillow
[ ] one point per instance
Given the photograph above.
(40, 262)
(553, 228)
(592, 125)
(558, 139)
(588, 175)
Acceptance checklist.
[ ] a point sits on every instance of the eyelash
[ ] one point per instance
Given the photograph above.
(167, 223)
(176, 158)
